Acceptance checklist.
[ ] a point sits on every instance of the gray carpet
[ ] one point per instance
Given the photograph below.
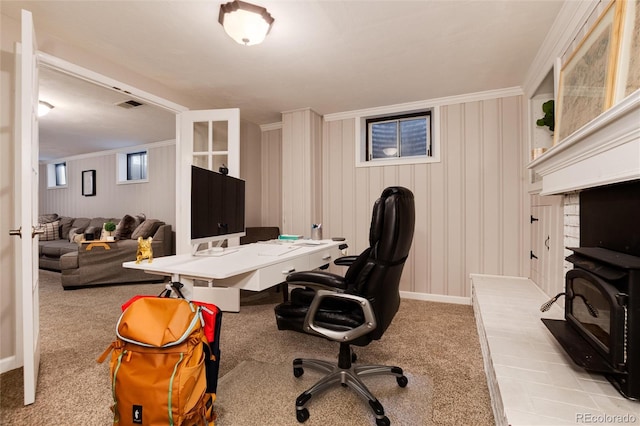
(436, 344)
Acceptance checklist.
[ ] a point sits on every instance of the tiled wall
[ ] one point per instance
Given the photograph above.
(571, 224)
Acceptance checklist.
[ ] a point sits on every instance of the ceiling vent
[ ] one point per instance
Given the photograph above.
(129, 104)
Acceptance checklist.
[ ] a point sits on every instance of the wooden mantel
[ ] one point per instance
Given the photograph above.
(602, 152)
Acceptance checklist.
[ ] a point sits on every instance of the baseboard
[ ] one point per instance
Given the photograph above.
(7, 364)
(458, 300)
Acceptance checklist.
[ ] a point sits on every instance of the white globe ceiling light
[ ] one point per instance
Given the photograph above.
(246, 23)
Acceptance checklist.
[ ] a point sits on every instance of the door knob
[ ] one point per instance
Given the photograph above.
(16, 232)
(36, 231)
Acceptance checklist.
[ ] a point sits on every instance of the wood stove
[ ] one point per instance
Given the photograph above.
(601, 329)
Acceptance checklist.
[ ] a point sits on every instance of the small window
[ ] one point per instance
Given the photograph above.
(133, 166)
(57, 175)
(399, 136)
(137, 165)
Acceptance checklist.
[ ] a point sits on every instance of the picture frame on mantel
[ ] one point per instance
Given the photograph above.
(587, 78)
(88, 183)
(628, 73)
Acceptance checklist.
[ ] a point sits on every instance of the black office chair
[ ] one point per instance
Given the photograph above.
(357, 308)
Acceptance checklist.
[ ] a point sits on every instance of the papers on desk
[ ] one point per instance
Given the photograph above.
(275, 249)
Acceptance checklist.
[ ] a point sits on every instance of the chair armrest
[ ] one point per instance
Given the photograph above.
(339, 336)
(345, 260)
(317, 279)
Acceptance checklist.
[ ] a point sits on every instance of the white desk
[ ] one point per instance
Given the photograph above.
(252, 267)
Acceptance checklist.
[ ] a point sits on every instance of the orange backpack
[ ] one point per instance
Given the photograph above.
(158, 365)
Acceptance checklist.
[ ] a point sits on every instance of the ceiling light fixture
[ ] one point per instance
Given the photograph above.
(246, 23)
(44, 108)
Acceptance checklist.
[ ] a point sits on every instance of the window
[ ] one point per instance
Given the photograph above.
(396, 137)
(399, 136)
(57, 175)
(133, 166)
(137, 165)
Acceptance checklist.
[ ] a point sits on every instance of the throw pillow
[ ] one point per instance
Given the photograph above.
(48, 218)
(74, 233)
(146, 229)
(126, 227)
(51, 231)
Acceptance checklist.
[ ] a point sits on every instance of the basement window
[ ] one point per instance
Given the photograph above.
(133, 166)
(57, 175)
(401, 137)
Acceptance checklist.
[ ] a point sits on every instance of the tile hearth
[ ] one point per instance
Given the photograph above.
(531, 379)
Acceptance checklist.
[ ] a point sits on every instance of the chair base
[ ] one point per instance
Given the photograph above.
(347, 375)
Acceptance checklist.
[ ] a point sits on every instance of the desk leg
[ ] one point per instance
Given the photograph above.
(225, 298)
(284, 288)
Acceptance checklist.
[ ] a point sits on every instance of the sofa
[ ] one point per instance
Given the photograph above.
(65, 246)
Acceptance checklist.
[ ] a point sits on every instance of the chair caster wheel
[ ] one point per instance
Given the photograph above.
(298, 371)
(383, 421)
(302, 415)
(402, 381)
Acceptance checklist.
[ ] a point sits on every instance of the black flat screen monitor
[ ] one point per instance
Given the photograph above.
(217, 206)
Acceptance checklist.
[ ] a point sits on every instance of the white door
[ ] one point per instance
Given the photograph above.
(27, 210)
(208, 139)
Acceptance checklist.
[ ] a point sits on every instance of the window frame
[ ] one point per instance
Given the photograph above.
(122, 166)
(398, 118)
(53, 175)
(389, 114)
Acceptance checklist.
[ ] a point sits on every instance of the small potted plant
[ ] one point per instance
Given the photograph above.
(549, 118)
(110, 227)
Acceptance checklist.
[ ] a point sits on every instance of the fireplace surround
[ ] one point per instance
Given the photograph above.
(601, 329)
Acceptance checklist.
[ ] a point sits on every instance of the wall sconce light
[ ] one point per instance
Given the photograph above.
(44, 108)
(246, 23)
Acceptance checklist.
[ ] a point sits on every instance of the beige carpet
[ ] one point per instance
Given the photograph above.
(436, 344)
(277, 388)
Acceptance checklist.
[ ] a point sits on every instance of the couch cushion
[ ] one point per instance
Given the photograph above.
(65, 226)
(51, 231)
(80, 223)
(147, 229)
(69, 261)
(57, 248)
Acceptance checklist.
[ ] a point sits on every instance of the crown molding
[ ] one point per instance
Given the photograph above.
(271, 126)
(418, 105)
(112, 151)
(564, 30)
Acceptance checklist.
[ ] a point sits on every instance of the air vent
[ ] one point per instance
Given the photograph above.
(129, 104)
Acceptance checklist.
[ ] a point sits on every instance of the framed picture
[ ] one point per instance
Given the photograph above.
(88, 183)
(586, 79)
(628, 78)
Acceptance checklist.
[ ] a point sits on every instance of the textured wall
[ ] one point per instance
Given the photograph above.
(470, 207)
(155, 198)
(272, 178)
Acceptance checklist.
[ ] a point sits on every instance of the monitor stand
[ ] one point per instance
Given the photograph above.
(216, 251)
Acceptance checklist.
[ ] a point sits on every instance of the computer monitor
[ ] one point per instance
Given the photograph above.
(217, 206)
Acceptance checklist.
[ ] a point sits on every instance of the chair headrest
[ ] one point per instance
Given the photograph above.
(392, 223)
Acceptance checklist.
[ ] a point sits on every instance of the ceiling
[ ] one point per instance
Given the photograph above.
(332, 56)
